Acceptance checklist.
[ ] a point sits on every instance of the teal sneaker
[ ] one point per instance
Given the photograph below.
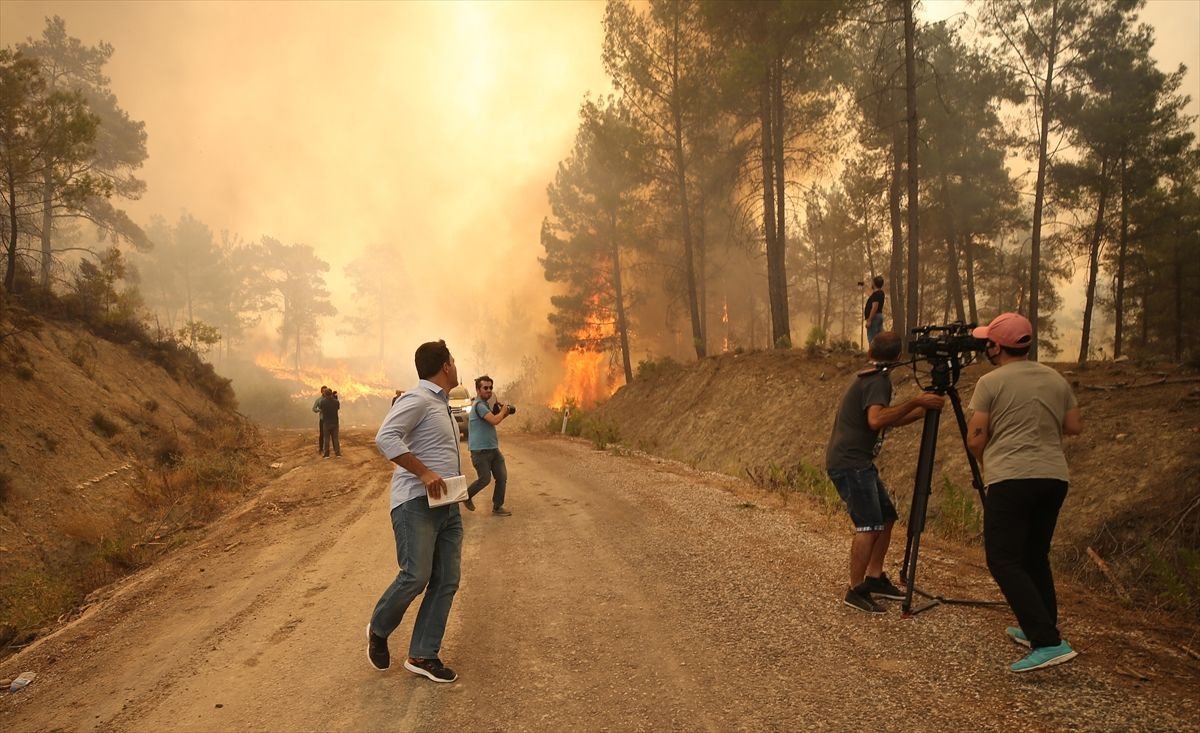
(1046, 656)
(1017, 635)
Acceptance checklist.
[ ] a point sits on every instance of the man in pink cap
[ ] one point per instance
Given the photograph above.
(1021, 411)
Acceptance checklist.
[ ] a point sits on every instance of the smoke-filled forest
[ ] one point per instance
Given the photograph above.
(750, 166)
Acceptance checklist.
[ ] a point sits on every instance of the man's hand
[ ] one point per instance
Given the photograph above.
(931, 400)
(435, 486)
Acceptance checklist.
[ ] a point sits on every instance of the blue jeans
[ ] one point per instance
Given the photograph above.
(873, 329)
(488, 462)
(865, 496)
(429, 550)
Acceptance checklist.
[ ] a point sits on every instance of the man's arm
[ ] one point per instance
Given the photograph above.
(1072, 422)
(497, 419)
(874, 310)
(977, 434)
(879, 417)
(434, 484)
(392, 441)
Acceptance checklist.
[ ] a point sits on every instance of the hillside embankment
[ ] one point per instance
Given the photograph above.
(1135, 486)
(114, 448)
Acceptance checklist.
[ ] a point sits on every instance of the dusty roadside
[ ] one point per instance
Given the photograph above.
(625, 593)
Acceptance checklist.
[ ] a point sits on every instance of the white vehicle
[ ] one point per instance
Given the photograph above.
(460, 404)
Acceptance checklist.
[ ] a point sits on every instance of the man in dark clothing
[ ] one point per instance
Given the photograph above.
(873, 309)
(320, 422)
(329, 406)
(857, 437)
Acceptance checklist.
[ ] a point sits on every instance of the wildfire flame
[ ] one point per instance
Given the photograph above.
(725, 323)
(588, 376)
(336, 376)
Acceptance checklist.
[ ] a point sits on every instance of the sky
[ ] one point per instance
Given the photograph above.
(435, 125)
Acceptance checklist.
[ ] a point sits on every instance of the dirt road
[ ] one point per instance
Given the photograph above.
(623, 593)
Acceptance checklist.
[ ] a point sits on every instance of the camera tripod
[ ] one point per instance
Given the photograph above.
(944, 375)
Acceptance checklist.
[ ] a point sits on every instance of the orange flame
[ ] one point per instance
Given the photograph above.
(588, 377)
(337, 376)
(725, 323)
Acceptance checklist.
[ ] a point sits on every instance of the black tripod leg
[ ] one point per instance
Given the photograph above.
(976, 477)
(920, 505)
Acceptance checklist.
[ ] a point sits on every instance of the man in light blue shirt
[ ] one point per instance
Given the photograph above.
(485, 446)
(419, 435)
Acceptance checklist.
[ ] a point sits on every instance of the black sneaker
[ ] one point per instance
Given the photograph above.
(861, 599)
(431, 668)
(377, 651)
(501, 512)
(470, 505)
(883, 587)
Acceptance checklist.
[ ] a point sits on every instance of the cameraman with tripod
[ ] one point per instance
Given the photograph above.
(858, 431)
(1021, 411)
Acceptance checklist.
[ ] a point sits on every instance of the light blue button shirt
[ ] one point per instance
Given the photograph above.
(420, 423)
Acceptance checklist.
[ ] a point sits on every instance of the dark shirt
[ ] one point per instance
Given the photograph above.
(852, 443)
(876, 296)
(329, 409)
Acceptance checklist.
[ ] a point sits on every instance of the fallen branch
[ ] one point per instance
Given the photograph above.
(1108, 573)
(1131, 672)
(1191, 652)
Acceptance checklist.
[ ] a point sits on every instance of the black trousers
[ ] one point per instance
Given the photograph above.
(1018, 524)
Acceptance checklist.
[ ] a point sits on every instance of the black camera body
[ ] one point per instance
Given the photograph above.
(946, 341)
(512, 410)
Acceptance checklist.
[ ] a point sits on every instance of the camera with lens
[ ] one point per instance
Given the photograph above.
(512, 410)
(945, 341)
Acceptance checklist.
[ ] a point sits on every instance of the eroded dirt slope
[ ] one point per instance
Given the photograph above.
(1135, 470)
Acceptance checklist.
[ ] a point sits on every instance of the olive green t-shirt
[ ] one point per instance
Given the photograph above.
(1025, 402)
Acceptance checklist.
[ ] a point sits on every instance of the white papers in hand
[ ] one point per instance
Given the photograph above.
(456, 490)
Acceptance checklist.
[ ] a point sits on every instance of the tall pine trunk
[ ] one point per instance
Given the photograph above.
(1094, 263)
(969, 265)
(910, 100)
(47, 225)
(776, 282)
(622, 327)
(783, 337)
(1039, 194)
(10, 271)
(1119, 296)
(896, 265)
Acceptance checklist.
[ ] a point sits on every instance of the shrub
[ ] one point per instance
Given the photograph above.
(651, 369)
(5, 486)
(151, 405)
(168, 453)
(575, 420)
(803, 478)
(958, 514)
(602, 432)
(815, 341)
(104, 426)
(24, 372)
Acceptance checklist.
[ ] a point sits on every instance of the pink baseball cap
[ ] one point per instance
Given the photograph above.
(1007, 329)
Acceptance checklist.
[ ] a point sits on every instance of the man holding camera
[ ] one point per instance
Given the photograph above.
(1021, 411)
(858, 431)
(873, 309)
(485, 446)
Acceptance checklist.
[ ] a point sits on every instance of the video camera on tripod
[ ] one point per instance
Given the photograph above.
(949, 341)
(947, 349)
